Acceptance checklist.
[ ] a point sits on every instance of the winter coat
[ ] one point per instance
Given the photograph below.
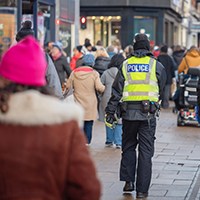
(85, 80)
(74, 59)
(167, 62)
(52, 78)
(107, 79)
(178, 56)
(101, 64)
(62, 66)
(118, 86)
(191, 59)
(43, 153)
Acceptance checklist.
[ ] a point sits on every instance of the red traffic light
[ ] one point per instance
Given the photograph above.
(83, 20)
(57, 21)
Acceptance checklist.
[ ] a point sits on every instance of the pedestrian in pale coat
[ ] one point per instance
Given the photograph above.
(108, 77)
(85, 80)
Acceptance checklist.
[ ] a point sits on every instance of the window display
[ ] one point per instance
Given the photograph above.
(146, 25)
(8, 23)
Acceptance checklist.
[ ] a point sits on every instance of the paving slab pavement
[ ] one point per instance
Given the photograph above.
(176, 162)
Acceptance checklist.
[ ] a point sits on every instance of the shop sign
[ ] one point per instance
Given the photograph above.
(195, 27)
(6, 40)
(177, 3)
(1, 33)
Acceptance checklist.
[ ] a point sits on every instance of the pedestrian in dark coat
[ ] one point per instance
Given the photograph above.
(167, 62)
(43, 153)
(102, 60)
(107, 79)
(60, 62)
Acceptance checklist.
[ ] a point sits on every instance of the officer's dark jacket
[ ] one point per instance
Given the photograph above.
(118, 86)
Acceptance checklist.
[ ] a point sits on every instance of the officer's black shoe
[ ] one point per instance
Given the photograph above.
(129, 187)
(141, 194)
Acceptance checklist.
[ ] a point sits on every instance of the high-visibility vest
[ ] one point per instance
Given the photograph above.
(141, 82)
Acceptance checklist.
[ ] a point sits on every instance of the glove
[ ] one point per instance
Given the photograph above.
(110, 121)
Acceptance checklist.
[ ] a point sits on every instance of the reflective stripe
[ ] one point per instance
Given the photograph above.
(151, 94)
(140, 82)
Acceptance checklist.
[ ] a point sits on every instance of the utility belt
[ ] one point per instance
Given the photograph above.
(145, 106)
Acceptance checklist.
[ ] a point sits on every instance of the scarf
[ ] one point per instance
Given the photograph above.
(56, 56)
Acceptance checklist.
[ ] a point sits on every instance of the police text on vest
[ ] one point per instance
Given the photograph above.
(138, 68)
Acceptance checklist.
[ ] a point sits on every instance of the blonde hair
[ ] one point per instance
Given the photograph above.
(101, 52)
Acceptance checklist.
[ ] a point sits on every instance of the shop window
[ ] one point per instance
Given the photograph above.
(8, 23)
(67, 9)
(116, 34)
(44, 23)
(44, 20)
(65, 37)
(146, 25)
(108, 30)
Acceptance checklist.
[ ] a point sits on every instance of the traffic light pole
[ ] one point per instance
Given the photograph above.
(76, 23)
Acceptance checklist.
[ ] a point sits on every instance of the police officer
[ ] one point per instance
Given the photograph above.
(138, 83)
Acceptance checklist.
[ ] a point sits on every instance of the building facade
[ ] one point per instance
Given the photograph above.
(118, 21)
(52, 20)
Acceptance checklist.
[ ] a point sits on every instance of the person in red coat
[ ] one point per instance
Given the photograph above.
(42, 150)
(77, 55)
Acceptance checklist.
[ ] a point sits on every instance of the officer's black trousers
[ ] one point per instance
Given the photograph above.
(137, 133)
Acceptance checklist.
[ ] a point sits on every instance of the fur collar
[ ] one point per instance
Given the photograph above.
(31, 108)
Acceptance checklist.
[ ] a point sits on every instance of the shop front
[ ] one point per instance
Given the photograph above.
(14, 12)
(160, 22)
(104, 28)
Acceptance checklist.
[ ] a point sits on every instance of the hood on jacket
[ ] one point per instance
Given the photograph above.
(31, 108)
(112, 72)
(193, 53)
(179, 53)
(111, 54)
(83, 72)
(142, 53)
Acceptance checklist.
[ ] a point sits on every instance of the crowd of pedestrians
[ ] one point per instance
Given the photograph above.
(34, 87)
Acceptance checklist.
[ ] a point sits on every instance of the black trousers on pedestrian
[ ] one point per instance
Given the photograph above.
(137, 133)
